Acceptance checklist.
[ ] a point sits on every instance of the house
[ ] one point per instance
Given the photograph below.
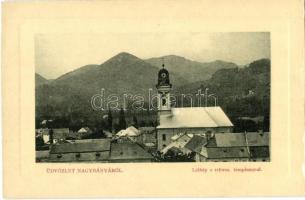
(258, 143)
(195, 144)
(97, 150)
(131, 133)
(226, 147)
(60, 134)
(178, 142)
(44, 133)
(84, 131)
(129, 151)
(231, 147)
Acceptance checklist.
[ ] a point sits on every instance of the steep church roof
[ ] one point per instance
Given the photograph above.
(195, 117)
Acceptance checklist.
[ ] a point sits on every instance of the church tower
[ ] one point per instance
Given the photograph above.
(164, 87)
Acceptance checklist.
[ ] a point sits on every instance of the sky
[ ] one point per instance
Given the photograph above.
(57, 54)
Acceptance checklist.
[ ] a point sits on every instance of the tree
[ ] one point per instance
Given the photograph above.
(51, 135)
(122, 120)
(142, 123)
(109, 120)
(135, 121)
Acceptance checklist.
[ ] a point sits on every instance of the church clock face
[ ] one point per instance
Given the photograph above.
(163, 75)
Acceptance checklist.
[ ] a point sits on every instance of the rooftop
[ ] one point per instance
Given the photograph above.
(228, 152)
(92, 146)
(128, 151)
(195, 117)
(196, 143)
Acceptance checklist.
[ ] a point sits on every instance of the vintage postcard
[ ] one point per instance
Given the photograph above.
(153, 98)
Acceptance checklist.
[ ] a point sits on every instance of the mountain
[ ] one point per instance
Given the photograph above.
(240, 91)
(121, 74)
(190, 70)
(39, 80)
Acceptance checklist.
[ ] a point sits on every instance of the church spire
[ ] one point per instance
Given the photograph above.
(164, 87)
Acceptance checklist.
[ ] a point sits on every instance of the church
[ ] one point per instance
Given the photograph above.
(188, 120)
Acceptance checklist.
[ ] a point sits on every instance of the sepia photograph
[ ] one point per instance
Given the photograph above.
(123, 98)
(153, 99)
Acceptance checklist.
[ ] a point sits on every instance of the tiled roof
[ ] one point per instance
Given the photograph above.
(227, 152)
(196, 143)
(195, 117)
(94, 146)
(128, 151)
(179, 142)
(130, 131)
(258, 139)
(60, 133)
(84, 130)
(234, 145)
(230, 139)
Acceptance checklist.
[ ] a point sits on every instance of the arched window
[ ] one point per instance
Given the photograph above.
(163, 101)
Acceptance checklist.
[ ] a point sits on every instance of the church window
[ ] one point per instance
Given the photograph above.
(59, 156)
(163, 101)
(97, 154)
(77, 155)
(163, 137)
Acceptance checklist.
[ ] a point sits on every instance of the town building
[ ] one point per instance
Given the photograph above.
(194, 120)
(97, 150)
(58, 134)
(129, 151)
(84, 131)
(258, 143)
(230, 147)
(129, 133)
(178, 142)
